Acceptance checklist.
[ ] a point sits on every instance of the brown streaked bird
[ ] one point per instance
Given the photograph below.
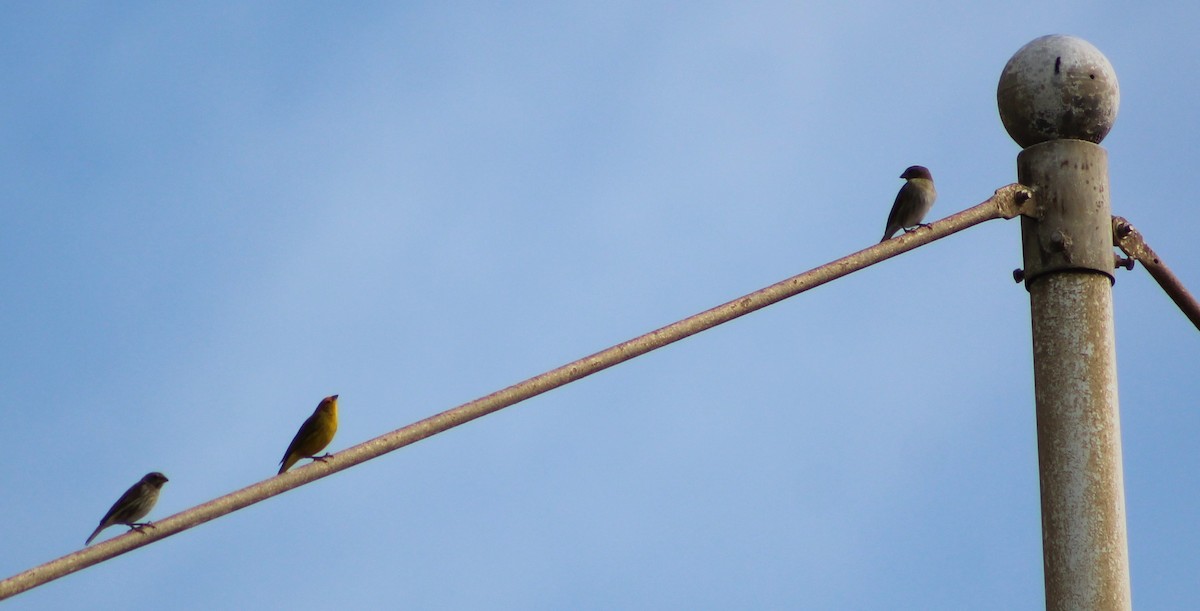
(912, 202)
(134, 505)
(314, 435)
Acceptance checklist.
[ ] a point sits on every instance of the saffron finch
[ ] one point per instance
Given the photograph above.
(314, 434)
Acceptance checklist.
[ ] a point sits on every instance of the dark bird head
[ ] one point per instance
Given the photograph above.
(917, 171)
(155, 479)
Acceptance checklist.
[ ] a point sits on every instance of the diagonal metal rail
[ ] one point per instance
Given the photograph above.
(1130, 241)
(1008, 202)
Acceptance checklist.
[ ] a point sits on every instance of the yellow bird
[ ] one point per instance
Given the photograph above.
(314, 435)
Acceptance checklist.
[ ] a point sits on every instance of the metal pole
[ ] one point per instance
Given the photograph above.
(1058, 98)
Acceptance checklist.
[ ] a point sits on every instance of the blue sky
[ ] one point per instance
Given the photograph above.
(216, 215)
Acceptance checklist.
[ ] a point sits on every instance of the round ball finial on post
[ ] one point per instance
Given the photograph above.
(1058, 87)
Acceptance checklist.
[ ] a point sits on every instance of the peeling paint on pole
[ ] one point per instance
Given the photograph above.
(1079, 444)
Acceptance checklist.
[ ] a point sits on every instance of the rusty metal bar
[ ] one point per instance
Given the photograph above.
(1130, 241)
(1008, 202)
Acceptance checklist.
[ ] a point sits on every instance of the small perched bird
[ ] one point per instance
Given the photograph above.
(314, 434)
(134, 505)
(912, 202)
